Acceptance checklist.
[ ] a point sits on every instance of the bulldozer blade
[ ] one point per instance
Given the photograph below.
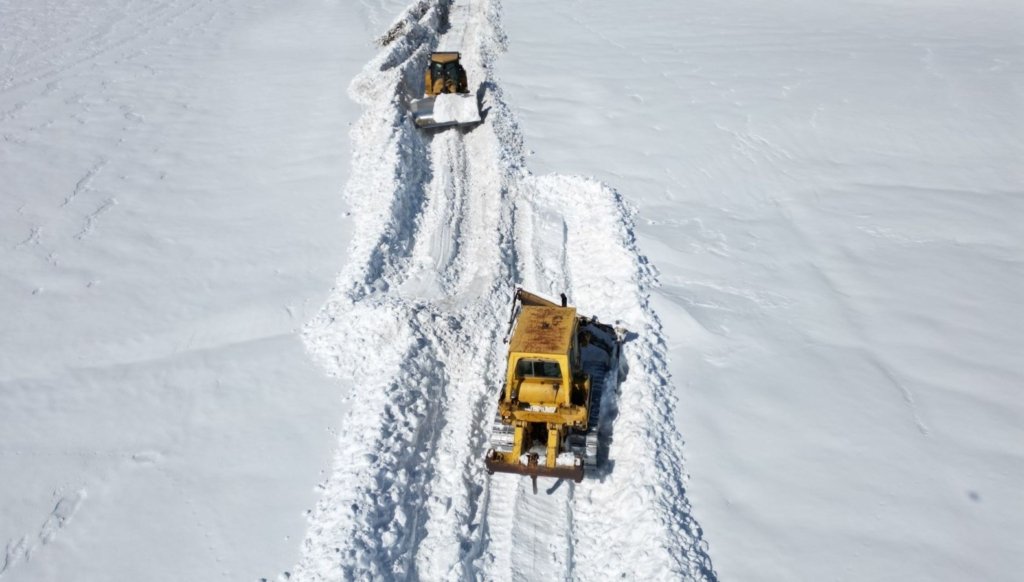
(535, 470)
(447, 110)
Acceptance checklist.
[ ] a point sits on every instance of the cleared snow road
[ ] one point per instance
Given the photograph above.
(446, 225)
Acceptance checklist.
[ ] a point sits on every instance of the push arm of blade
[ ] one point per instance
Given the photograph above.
(512, 317)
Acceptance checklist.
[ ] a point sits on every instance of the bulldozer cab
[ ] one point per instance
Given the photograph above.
(548, 413)
(542, 355)
(445, 75)
(538, 368)
(546, 396)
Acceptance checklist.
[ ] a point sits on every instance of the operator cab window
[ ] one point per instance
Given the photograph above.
(447, 72)
(538, 368)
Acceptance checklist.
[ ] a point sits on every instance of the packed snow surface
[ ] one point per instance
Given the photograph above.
(806, 216)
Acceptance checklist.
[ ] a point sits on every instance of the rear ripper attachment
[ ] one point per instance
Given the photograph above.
(548, 412)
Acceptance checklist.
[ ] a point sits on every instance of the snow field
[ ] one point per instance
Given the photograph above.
(829, 194)
(827, 198)
(168, 219)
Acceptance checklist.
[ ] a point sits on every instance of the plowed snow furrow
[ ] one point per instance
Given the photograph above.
(646, 482)
(542, 543)
(531, 534)
(500, 499)
(389, 510)
(453, 510)
(446, 225)
(432, 273)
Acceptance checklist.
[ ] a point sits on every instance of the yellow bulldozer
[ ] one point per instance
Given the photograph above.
(445, 74)
(559, 365)
(446, 100)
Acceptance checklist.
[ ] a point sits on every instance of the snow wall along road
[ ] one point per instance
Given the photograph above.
(445, 225)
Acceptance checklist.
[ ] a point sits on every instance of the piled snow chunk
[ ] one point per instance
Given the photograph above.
(457, 108)
(566, 459)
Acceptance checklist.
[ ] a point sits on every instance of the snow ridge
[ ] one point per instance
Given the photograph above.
(645, 445)
(446, 223)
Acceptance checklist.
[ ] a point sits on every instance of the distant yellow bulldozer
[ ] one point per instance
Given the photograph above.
(446, 100)
(549, 408)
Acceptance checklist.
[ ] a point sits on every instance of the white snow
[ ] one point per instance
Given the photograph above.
(832, 196)
(169, 216)
(805, 215)
(565, 460)
(457, 108)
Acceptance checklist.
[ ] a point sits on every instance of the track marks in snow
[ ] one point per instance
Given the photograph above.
(440, 224)
(372, 530)
(905, 393)
(643, 489)
(541, 547)
(22, 549)
(387, 188)
(32, 239)
(543, 263)
(454, 511)
(404, 502)
(90, 221)
(84, 182)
